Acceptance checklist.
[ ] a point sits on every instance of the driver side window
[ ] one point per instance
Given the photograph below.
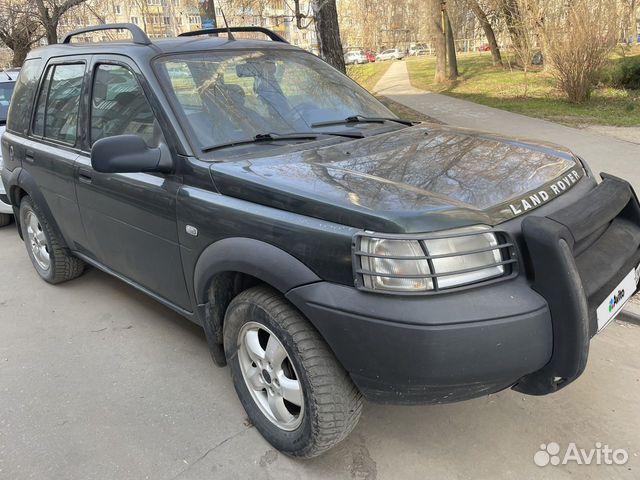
(119, 106)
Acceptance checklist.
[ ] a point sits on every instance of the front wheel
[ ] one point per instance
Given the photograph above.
(292, 387)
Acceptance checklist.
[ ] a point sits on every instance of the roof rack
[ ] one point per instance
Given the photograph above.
(214, 31)
(137, 34)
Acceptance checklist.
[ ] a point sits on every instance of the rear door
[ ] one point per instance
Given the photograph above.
(129, 218)
(51, 150)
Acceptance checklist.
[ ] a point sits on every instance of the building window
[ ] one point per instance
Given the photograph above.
(176, 3)
(154, 2)
(118, 10)
(194, 19)
(134, 20)
(166, 20)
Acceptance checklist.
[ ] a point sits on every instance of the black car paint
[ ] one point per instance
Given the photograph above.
(286, 215)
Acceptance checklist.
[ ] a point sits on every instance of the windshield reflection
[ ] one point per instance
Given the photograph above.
(230, 96)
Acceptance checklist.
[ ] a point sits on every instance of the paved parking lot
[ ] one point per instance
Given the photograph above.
(99, 382)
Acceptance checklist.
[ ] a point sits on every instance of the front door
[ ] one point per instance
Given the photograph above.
(129, 218)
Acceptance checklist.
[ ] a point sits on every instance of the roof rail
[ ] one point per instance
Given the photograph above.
(137, 34)
(214, 31)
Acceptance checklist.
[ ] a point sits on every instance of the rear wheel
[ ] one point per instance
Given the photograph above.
(50, 260)
(292, 387)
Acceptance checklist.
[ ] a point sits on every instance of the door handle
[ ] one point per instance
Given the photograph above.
(28, 156)
(85, 176)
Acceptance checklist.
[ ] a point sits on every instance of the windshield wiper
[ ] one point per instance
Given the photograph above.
(363, 119)
(271, 137)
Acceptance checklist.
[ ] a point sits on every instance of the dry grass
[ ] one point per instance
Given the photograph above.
(504, 88)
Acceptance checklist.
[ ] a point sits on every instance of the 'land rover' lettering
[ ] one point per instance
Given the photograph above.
(550, 191)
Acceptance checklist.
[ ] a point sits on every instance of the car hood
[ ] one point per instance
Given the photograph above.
(422, 178)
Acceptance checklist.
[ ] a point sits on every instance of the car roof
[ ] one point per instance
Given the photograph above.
(157, 47)
(9, 75)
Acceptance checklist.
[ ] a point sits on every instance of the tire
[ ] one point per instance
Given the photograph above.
(330, 404)
(5, 219)
(50, 260)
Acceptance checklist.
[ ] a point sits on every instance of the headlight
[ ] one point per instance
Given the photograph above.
(430, 262)
(387, 259)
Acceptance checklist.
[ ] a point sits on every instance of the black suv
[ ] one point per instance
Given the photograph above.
(329, 249)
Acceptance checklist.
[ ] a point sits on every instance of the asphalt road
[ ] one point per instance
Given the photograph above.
(98, 381)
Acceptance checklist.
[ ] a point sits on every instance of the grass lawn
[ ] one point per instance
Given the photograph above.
(504, 88)
(368, 74)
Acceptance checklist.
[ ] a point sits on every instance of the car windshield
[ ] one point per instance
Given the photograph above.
(6, 90)
(231, 96)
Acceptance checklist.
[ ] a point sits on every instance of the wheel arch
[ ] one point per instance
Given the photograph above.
(232, 265)
(22, 184)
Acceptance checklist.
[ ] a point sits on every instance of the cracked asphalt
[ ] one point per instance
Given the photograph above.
(98, 381)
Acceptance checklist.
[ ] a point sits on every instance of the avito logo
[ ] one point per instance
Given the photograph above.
(616, 299)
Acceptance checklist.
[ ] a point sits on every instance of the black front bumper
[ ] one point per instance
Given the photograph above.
(579, 255)
(532, 331)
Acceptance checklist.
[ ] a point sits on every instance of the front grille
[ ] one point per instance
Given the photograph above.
(505, 249)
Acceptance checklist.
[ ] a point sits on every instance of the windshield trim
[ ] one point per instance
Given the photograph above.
(184, 125)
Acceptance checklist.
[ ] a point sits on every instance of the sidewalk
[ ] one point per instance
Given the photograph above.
(602, 152)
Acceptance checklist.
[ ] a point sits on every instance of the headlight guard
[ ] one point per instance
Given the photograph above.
(434, 262)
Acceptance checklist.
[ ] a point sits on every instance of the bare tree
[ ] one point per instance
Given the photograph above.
(325, 13)
(49, 13)
(488, 31)
(513, 16)
(19, 30)
(579, 38)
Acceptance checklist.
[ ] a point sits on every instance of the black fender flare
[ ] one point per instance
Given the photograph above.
(259, 259)
(20, 179)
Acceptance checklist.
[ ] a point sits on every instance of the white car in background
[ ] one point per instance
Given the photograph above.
(355, 58)
(391, 54)
(7, 82)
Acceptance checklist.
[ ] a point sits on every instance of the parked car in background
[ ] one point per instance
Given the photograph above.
(485, 47)
(371, 56)
(355, 58)
(7, 82)
(419, 49)
(391, 54)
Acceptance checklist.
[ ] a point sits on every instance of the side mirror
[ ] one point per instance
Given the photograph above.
(129, 154)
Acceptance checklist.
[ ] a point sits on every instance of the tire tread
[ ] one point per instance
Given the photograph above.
(336, 400)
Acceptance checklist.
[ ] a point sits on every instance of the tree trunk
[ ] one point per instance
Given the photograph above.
(634, 22)
(451, 49)
(488, 32)
(19, 54)
(52, 32)
(328, 32)
(513, 20)
(440, 42)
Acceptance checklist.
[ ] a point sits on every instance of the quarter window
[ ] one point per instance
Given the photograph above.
(20, 107)
(119, 106)
(58, 103)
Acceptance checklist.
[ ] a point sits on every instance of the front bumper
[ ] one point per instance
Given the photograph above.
(435, 349)
(531, 332)
(579, 255)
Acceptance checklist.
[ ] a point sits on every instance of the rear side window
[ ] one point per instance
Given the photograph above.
(56, 115)
(119, 106)
(23, 95)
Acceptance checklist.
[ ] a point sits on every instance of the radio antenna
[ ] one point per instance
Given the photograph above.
(229, 34)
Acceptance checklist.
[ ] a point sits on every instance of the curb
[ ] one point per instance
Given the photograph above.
(630, 314)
